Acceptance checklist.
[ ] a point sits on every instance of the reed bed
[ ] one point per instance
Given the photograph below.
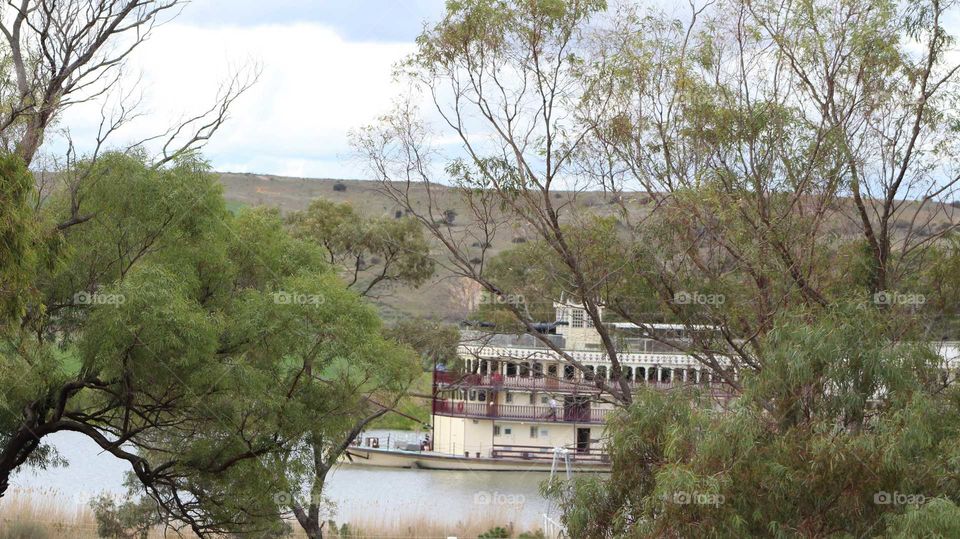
(38, 514)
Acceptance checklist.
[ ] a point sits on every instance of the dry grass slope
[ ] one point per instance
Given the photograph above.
(433, 299)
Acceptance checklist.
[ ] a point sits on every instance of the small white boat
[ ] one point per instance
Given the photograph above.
(429, 460)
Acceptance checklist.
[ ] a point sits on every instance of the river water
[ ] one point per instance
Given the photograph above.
(379, 496)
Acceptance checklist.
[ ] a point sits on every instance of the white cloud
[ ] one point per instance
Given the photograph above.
(314, 88)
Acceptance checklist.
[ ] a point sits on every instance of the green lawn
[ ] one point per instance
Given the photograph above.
(413, 406)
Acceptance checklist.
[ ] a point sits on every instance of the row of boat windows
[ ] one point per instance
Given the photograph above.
(481, 395)
(650, 374)
(535, 432)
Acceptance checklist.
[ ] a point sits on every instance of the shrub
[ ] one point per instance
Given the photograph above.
(475, 260)
(449, 216)
(131, 519)
(339, 186)
(495, 533)
(345, 531)
(519, 239)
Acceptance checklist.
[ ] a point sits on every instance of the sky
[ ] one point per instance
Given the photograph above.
(326, 69)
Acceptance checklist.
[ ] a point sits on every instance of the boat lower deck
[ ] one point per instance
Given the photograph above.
(428, 460)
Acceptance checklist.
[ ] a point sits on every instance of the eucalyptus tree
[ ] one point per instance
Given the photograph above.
(500, 77)
(795, 159)
(773, 154)
(374, 254)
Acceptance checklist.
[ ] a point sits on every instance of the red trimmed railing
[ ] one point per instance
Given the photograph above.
(532, 452)
(572, 414)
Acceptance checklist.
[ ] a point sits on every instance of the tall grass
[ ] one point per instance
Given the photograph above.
(38, 514)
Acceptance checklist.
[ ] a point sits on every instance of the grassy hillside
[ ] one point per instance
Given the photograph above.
(435, 299)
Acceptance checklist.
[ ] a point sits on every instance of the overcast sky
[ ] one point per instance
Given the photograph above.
(326, 69)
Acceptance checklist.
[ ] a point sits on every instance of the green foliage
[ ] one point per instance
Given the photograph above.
(20, 236)
(495, 533)
(532, 274)
(938, 518)
(840, 421)
(218, 346)
(410, 406)
(373, 254)
(127, 520)
(436, 342)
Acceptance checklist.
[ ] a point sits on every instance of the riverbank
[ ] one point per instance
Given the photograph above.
(451, 500)
(35, 515)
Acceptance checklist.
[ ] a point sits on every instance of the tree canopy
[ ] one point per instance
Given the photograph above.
(203, 348)
(777, 177)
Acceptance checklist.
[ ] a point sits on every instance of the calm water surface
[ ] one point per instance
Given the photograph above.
(360, 494)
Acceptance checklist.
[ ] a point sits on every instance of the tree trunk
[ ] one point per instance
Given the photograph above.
(18, 448)
(311, 526)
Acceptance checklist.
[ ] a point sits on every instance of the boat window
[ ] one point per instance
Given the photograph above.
(508, 397)
(533, 398)
(482, 396)
(473, 394)
(507, 431)
(511, 369)
(577, 320)
(544, 432)
(588, 373)
(496, 430)
(602, 372)
(533, 432)
(525, 369)
(538, 370)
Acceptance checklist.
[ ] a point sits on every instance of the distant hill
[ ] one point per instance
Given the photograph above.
(435, 299)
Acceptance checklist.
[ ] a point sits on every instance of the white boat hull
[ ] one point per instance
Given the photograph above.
(390, 458)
